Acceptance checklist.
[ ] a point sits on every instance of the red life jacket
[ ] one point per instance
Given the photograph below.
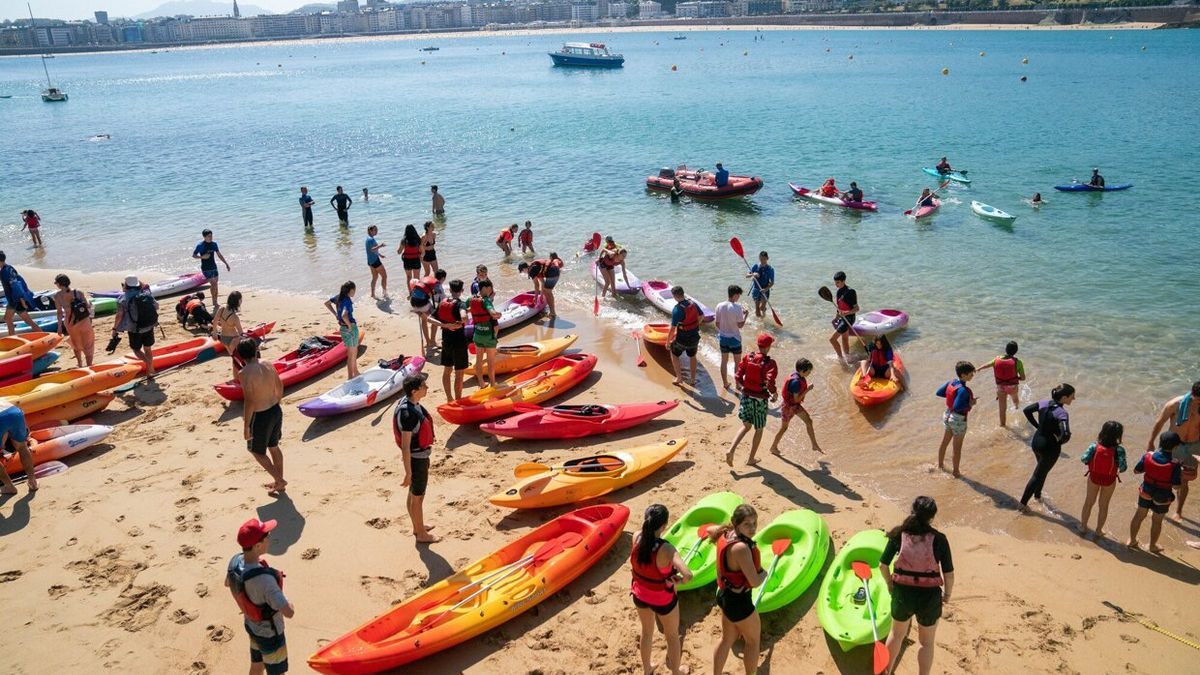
(237, 584)
(1005, 370)
(829, 190)
(842, 306)
(505, 235)
(879, 357)
(410, 251)
(1103, 467)
(952, 391)
(691, 315)
(727, 578)
(448, 311)
(795, 381)
(650, 576)
(526, 237)
(753, 374)
(424, 286)
(1158, 475)
(424, 431)
(479, 313)
(916, 564)
(537, 269)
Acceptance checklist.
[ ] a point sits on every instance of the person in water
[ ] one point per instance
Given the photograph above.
(412, 426)
(763, 276)
(1105, 459)
(721, 177)
(926, 199)
(341, 202)
(880, 361)
(1097, 180)
(739, 572)
(795, 388)
(611, 256)
(1162, 473)
(846, 302)
(375, 261)
(450, 318)
(829, 189)
(306, 204)
(1182, 415)
(429, 261)
(730, 317)
(676, 190)
(755, 379)
(481, 274)
(656, 566)
(439, 202)
(30, 220)
(1037, 199)
(505, 238)
(919, 571)
(1009, 373)
(525, 239)
(366, 197)
(342, 308)
(485, 336)
(854, 194)
(684, 335)
(263, 418)
(959, 401)
(943, 167)
(1053, 431)
(409, 251)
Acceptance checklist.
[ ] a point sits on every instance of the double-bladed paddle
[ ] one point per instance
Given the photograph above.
(527, 469)
(736, 245)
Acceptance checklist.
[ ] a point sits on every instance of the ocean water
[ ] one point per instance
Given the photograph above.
(1101, 289)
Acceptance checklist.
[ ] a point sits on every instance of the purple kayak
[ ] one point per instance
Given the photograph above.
(172, 286)
(364, 391)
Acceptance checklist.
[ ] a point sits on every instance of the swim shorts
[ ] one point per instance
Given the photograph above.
(1185, 454)
(550, 282)
(661, 610)
(420, 476)
(842, 324)
(753, 411)
(685, 345)
(271, 652)
(955, 423)
(790, 411)
(730, 345)
(484, 337)
(736, 606)
(210, 274)
(1145, 502)
(412, 263)
(924, 603)
(266, 427)
(1006, 389)
(140, 340)
(454, 350)
(430, 255)
(350, 338)
(12, 422)
(375, 265)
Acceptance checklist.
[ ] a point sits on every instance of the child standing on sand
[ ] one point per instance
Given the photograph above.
(795, 389)
(525, 239)
(959, 401)
(1162, 473)
(1104, 459)
(1009, 372)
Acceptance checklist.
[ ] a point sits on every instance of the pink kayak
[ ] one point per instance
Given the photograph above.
(576, 421)
(924, 211)
(658, 292)
(815, 196)
(172, 286)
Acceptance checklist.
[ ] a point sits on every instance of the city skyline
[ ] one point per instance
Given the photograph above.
(74, 10)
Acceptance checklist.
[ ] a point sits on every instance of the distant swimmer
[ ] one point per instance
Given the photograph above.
(943, 167)
(676, 190)
(341, 203)
(1037, 199)
(366, 195)
(721, 177)
(99, 137)
(439, 202)
(1097, 180)
(306, 203)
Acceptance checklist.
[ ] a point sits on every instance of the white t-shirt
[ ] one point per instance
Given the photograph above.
(729, 315)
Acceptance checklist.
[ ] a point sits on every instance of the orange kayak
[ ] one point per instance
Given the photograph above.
(879, 389)
(656, 333)
(480, 597)
(66, 386)
(34, 344)
(588, 477)
(80, 407)
(514, 358)
(48, 445)
(535, 385)
(177, 353)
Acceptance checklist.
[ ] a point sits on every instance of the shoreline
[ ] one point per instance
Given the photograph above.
(139, 583)
(690, 27)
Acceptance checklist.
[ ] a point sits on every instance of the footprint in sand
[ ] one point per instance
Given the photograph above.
(182, 616)
(138, 607)
(186, 551)
(57, 591)
(198, 668)
(11, 575)
(310, 554)
(379, 523)
(201, 590)
(219, 633)
(106, 568)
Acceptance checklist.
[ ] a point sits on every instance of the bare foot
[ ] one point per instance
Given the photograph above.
(1132, 545)
(8, 491)
(1177, 517)
(725, 384)
(677, 383)
(1099, 534)
(1024, 509)
(693, 383)
(426, 538)
(775, 451)
(1155, 548)
(1081, 529)
(753, 461)
(941, 467)
(729, 458)
(956, 474)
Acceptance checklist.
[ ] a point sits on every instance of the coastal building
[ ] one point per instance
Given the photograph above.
(584, 12)
(347, 7)
(701, 9)
(619, 10)
(649, 9)
(102, 18)
(279, 25)
(207, 28)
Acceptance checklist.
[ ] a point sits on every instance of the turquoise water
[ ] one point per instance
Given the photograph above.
(1102, 288)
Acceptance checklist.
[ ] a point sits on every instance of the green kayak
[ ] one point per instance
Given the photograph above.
(846, 621)
(799, 564)
(701, 554)
(104, 306)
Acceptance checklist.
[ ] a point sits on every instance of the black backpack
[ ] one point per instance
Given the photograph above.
(80, 308)
(142, 311)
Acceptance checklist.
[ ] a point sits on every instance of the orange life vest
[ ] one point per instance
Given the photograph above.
(479, 314)
(1005, 370)
(727, 578)
(752, 374)
(691, 315)
(916, 564)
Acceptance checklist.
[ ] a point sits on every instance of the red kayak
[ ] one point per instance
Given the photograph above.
(16, 369)
(178, 353)
(576, 421)
(296, 366)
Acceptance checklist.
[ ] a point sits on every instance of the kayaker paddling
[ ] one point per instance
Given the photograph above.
(1096, 181)
(943, 167)
(854, 194)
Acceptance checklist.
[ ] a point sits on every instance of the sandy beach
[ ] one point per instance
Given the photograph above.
(118, 564)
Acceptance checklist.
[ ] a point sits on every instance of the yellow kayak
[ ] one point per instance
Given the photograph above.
(877, 390)
(515, 358)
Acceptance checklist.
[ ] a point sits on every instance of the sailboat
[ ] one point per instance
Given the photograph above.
(50, 94)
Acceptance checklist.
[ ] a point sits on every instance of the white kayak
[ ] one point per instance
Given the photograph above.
(988, 212)
(619, 272)
(880, 322)
(172, 286)
(373, 385)
(658, 292)
(513, 312)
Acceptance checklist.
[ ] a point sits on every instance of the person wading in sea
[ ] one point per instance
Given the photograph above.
(1182, 415)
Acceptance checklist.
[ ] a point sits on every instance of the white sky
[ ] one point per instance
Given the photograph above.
(84, 9)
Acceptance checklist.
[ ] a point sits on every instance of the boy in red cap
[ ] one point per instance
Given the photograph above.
(755, 381)
(257, 588)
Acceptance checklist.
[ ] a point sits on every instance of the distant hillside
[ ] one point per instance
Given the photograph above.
(318, 7)
(201, 8)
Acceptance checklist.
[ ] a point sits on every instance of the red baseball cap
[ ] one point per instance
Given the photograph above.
(253, 531)
(765, 340)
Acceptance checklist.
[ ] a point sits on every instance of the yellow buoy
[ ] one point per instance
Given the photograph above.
(945, 71)
(1025, 61)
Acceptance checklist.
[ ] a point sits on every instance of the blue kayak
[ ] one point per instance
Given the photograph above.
(953, 175)
(1083, 187)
